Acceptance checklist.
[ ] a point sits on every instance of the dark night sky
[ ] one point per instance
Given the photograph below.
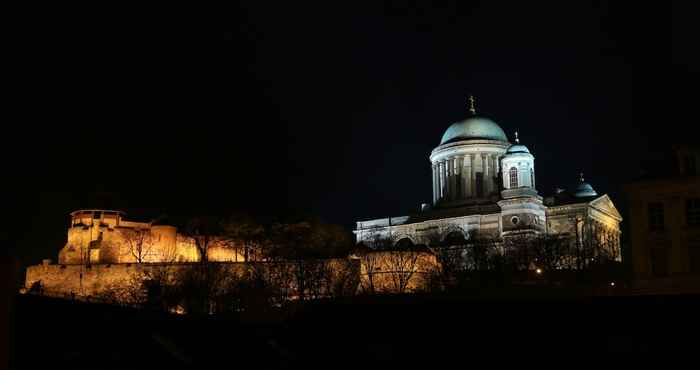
(331, 111)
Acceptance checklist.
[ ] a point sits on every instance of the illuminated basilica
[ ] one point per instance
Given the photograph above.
(485, 186)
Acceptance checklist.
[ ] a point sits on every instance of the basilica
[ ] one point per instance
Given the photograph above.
(485, 186)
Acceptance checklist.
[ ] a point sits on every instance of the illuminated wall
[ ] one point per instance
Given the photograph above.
(99, 237)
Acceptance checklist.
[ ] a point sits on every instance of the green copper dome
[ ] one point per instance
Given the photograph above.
(474, 128)
(584, 190)
(517, 148)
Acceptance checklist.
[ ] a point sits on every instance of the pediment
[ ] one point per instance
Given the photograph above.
(605, 205)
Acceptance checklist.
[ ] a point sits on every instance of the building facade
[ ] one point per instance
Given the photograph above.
(484, 185)
(106, 237)
(665, 216)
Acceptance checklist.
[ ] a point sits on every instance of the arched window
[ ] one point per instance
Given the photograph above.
(513, 177)
(532, 177)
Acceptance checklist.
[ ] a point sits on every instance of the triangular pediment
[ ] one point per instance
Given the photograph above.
(605, 205)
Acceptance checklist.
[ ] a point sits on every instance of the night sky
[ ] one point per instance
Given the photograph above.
(285, 110)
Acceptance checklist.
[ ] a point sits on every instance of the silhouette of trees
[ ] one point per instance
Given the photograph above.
(370, 267)
(138, 243)
(241, 229)
(305, 244)
(402, 266)
(203, 231)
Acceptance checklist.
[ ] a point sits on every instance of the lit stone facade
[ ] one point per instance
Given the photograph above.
(483, 185)
(105, 237)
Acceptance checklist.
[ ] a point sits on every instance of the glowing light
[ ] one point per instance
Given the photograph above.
(612, 283)
(539, 271)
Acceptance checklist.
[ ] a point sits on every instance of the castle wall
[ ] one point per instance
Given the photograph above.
(82, 280)
(104, 244)
(96, 280)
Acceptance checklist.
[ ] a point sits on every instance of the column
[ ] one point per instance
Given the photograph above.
(450, 180)
(465, 176)
(453, 167)
(432, 173)
(438, 169)
(485, 165)
(496, 171)
(459, 190)
(472, 179)
(443, 183)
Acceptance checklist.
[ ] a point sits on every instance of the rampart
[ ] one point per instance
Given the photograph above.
(384, 272)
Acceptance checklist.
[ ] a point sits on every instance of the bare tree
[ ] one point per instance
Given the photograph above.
(371, 261)
(303, 243)
(203, 232)
(242, 229)
(138, 242)
(370, 266)
(342, 277)
(402, 265)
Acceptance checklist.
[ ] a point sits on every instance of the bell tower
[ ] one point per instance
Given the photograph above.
(521, 206)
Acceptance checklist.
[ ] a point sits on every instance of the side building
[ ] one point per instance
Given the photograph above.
(664, 207)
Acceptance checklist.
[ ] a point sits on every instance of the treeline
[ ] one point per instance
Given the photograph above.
(277, 241)
(482, 261)
(284, 261)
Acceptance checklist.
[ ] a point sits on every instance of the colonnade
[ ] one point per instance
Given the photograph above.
(473, 175)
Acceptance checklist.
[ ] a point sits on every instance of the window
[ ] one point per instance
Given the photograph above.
(659, 261)
(532, 177)
(479, 184)
(515, 220)
(694, 257)
(692, 212)
(656, 216)
(690, 169)
(513, 177)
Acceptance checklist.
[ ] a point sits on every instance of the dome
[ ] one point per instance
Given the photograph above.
(474, 128)
(517, 148)
(583, 190)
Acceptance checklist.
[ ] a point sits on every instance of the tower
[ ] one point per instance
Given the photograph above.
(521, 206)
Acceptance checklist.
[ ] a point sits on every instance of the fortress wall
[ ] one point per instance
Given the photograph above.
(83, 281)
(62, 280)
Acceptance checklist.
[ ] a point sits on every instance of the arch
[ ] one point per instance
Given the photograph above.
(513, 175)
(454, 237)
(404, 244)
(398, 237)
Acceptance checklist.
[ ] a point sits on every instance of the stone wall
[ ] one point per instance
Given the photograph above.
(82, 280)
(383, 268)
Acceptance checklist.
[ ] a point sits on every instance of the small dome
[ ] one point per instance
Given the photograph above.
(583, 190)
(517, 148)
(474, 128)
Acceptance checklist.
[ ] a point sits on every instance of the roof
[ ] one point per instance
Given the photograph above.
(475, 127)
(517, 148)
(107, 211)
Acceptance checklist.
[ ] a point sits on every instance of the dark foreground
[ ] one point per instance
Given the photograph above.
(531, 328)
